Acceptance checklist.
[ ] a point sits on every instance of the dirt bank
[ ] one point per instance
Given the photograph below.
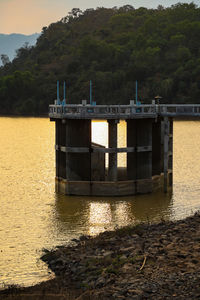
(159, 261)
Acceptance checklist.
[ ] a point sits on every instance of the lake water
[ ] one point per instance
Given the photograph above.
(33, 216)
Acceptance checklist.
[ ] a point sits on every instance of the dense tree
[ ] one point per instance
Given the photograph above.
(114, 47)
(5, 59)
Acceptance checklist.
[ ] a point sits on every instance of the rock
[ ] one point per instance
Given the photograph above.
(123, 257)
(107, 254)
(84, 237)
(100, 282)
(75, 240)
(135, 292)
(134, 236)
(49, 256)
(116, 296)
(127, 268)
(125, 250)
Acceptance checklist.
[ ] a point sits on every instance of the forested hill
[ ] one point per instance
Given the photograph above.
(114, 47)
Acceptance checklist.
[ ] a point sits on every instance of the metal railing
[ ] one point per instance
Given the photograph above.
(101, 109)
(180, 109)
(126, 111)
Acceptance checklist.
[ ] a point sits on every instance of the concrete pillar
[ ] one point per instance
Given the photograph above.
(57, 151)
(139, 163)
(97, 164)
(60, 156)
(112, 143)
(144, 158)
(170, 156)
(166, 150)
(156, 147)
(131, 156)
(62, 141)
(162, 146)
(78, 165)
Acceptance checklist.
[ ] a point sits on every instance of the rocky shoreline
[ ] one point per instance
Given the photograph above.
(157, 261)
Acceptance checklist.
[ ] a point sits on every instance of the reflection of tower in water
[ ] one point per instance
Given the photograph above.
(100, 217)
(85, 215)
(152, 207)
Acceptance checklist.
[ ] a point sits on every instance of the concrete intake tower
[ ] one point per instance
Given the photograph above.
(80, 164)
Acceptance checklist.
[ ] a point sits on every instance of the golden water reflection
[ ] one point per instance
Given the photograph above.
(99, 214)
(33, 216)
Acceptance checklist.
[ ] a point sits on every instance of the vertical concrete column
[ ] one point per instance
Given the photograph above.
(162, 146)
(60, 155)
(112, 143)
(166, 150)
(78, 135)
(139, 162)
(131, 156)
(57, 147)
(144, 141)
(156, 147)
(62, 140)
(170, 156)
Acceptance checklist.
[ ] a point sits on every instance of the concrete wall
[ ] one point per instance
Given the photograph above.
(132, 142)
(156, 148)
(78, 165)
(97, 164)
(139, 163)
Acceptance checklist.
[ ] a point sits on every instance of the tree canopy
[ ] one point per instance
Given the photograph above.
(112, 47)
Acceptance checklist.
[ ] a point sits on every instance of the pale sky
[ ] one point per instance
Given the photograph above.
(29, 16)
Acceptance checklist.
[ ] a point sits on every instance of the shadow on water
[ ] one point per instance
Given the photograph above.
(92, 215)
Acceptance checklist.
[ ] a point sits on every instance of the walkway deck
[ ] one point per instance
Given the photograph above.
(122, 112)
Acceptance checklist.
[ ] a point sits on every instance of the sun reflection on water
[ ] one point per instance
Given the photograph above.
(100, 216)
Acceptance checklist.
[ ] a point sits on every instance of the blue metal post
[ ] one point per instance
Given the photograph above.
(58, 98)
(136, 92)
(90, 92)
(64, 93)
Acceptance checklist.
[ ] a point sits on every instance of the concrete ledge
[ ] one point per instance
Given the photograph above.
(157, 181)
(144, 186)
(103, 149)
(60, 186)
(104, 188)
(90, 116)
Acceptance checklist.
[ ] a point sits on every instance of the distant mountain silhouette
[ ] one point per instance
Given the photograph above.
(9, 43)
